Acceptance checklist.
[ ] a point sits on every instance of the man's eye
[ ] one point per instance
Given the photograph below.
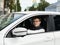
(36, 21)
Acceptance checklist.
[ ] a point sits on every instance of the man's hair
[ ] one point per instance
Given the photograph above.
(36, 18)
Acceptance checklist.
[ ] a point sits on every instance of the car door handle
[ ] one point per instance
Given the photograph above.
(48, 39)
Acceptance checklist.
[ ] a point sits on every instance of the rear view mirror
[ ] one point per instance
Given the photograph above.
(19, 31)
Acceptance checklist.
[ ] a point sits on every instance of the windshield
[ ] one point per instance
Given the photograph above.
(8, 19)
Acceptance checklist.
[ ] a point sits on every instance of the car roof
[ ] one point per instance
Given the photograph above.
(33, 12)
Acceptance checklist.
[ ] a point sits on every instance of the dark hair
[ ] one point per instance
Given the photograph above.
(36, 18)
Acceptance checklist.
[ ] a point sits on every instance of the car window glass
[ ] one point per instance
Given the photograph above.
(57, 22)
(6, 20)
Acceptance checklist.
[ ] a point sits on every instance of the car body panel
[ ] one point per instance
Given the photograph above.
(46, 38)
(36, 39)
(57, 37)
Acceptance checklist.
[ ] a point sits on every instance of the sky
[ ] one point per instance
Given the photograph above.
(27, 3)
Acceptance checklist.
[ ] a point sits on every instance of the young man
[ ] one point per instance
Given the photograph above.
(36, 26)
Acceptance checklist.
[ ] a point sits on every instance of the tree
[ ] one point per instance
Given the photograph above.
(6, 5)
(17, 7)
(11, 5)
(32, 8)
(40, 7)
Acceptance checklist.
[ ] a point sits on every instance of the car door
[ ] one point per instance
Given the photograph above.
(37, 39)
(57, 29)
(46, 38)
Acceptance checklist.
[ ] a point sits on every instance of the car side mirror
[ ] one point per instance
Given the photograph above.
(19, 31)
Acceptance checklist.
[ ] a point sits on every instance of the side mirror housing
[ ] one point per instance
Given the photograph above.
(19, 31)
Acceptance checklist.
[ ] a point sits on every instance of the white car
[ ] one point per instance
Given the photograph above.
(15, 30)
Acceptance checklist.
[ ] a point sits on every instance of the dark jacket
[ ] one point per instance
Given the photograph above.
(36, 28)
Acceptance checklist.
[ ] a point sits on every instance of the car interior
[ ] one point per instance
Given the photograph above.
(29, 23)
(57, 22)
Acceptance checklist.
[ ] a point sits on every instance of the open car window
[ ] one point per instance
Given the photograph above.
(28, 24)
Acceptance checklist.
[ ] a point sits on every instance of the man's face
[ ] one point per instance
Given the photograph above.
(36, 22)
